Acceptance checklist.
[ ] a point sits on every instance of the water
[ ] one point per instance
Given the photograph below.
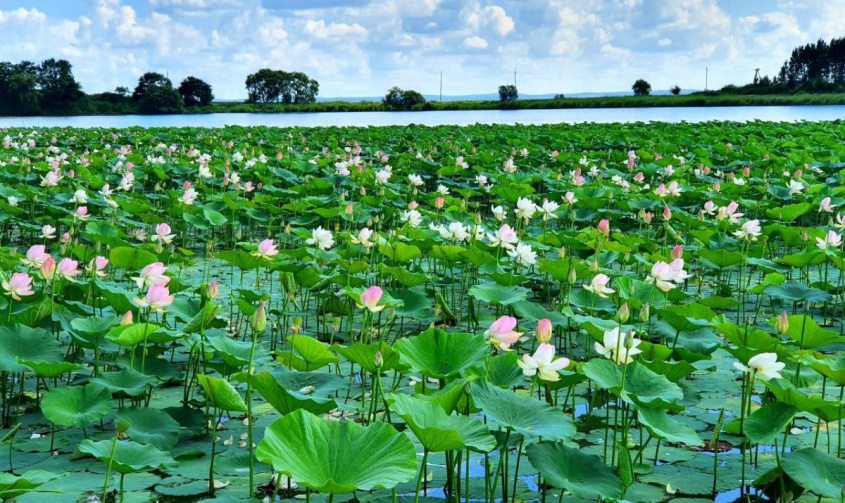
(437, 118)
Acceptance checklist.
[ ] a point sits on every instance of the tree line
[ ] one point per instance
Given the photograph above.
(27, 88)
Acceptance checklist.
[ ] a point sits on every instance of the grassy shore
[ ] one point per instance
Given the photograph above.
(691, 100)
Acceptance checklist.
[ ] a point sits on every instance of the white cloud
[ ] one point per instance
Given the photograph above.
(475, 42)
(319, 29)
(664, 42)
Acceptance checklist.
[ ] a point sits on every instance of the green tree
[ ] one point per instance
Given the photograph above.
(641, 88)
(508, 92)
(195, 92)
(404, 99)
(148, 81)
(160, 100)
(676, 90)
(57, 84)
(267, 86)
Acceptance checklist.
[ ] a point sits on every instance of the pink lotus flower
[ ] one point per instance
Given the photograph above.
(20, 285)
(48, 232)
(663, 275)
(825, 206)
(505, 238)
(158, 297)
(48, 269)
(599, 286)
(35, 256)
(152, 275)
(266, 249)
(81, 213)
(677, 252)
(439, 202)
(213, 291)
(163, 234)
(544, 330)
(667, 213)
(542, 363)
(68, 269)
(97, 265)
(501, 333)
(370, 299)
(126, 319)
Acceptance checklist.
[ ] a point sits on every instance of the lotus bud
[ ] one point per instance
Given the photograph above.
(667, 213)
(157, 187)
(746, 171)
(604, 226)
(350, 209)
(544, 331)
(363, 191)
(647, 217)
(379, 360)
(381, 192)
(335, 324)
(717, 186)
(48, 268)
(594, 266)
(297, 325)
(259, 319)
(377, 219)
(212, 291)
(561, 254)
(478, 219)
(573, 276)
(126, 319)
(287, 229)
(677, 252)
(623, 313)
(644, 313)
(439, 203)
(782, 323)
(122, 425)
(629, 339)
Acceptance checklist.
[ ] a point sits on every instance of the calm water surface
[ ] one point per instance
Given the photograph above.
(437, 118)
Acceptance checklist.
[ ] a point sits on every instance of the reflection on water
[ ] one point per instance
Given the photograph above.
(437, 118)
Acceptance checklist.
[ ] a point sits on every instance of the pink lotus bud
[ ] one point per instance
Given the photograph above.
(604, 226)
(370, 299)
(746, 171)
(782, 323)
(413, 205)
(186, 185)
(623, 313)
(677, 252)
(799, 173)
(667, 213)
(544, 331)
(71, 173)
(647, 217)
(439, 202)
(126, 319)
(48, 268)
(717, 186)
(350, 209)
(213, 291)
(644, 313)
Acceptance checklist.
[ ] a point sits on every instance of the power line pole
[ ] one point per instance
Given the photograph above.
(441, 85)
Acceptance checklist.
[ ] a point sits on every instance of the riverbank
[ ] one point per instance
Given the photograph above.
(87, 108)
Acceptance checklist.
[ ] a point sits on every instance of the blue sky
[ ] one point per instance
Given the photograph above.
(363, 47)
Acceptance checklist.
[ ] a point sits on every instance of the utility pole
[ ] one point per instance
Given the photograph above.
(514, 77)
(706, 77)
(441, 85)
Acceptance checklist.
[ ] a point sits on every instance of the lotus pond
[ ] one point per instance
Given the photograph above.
(483, 313)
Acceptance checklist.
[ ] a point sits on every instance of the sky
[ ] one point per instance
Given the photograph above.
(363, 47)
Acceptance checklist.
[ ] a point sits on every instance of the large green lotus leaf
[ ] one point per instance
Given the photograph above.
(499, 294)
(316, 383)
(129, 457)
(130, 335)
(439, 354)
(50, 369)
(364, 355)
(78, 406)
(151, 426)
(663, 426)
(308, 354)
(234, 353)
(414, 305)
(792, 291)
(584, 475)
(438, 431)
(522, 413)
(504, 371)
(18, 342)
(833, 368)
(534, 312)
(789, 212)
(642, 386)
(400, 252)
(767, 422)
(125, 381)
(94, 326)
(405, 277)
(719, 259)
(221, 394)
(807, 333)
(12, 486)
(337, 457)
(130, 258)
(816, 471)
(286, 401)
(787, 393)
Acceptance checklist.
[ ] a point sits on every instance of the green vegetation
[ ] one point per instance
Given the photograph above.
(622, 312)
(402, 99)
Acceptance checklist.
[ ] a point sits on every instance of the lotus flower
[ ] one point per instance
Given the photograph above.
(543, 333)
(619, 347)
(266, 249)
(35, 256)
(19, 285)
(766, 365)
(505, 238)
(370, 299)
(68, 269)
(501, 333)
(542, 363)
(599, 286)
(157, 299)
(749, 231)
(321, 238)
(152, 274)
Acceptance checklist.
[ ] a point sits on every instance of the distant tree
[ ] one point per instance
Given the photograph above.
(641, 88)
(267, 86)
(149, 81)
(404, 99)
(121, 90)
(195, 92)
(508, 92)
(57, 84)
(676, 90)
(559, 96)
(18, 87)
(160, 100)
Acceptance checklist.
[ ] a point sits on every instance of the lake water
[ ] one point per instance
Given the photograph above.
(437, 118)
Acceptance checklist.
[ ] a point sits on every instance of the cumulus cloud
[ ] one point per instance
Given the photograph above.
(363, 47)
